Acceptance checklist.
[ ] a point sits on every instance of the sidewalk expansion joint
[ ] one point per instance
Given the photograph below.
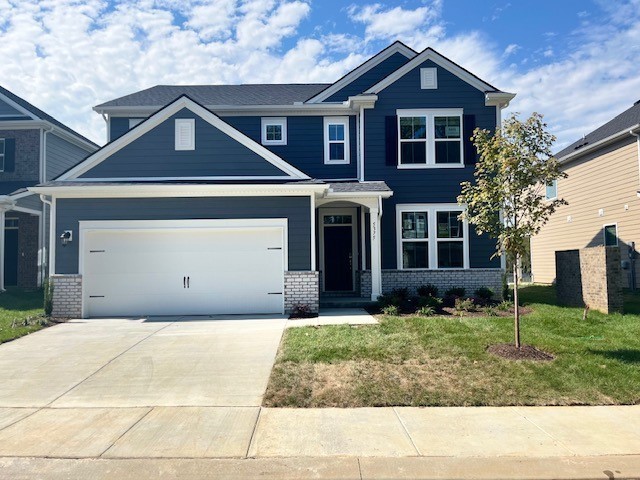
(253, 432)
(404, 427)
(142, 417)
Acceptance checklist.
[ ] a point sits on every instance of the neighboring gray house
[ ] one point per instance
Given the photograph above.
(34, 147)
(254, 198)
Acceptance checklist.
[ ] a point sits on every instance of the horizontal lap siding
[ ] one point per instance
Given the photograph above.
(8, 110)
(607, 179)
(62, 155)
(424, 185)
(31, 201)
(370, 78)
(154, 155)
(295, 209)
(305, 144)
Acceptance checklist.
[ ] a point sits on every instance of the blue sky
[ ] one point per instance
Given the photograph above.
(573, 61)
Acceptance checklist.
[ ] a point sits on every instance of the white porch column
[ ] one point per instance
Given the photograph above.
(376, 269)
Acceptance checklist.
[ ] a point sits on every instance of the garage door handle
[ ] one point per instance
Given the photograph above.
(184, 282)
(188, 278)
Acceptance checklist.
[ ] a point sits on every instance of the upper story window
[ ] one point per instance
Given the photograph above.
(610, 235)
(430, 138)
(336, 140)
(552, 190)
(2, 154)
(274, 130)
(432, 236)
(185, 134)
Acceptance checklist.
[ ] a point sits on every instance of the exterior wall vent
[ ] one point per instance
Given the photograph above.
(185, 134)
(429, 78)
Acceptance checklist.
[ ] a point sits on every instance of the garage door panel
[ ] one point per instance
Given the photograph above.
(141, 272)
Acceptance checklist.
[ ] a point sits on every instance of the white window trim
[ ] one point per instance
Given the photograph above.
(604, 234)
(545, 191)
(2, 153)
(282, 121)
(424, 85)
(191, 122)
(336, 121)
(431, 209)
(430, 114)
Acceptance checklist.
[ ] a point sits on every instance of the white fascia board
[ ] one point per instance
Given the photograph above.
(301, 109)
(362, 69)
(164, 114)
(439, 60)
(601, 143)
(50, 127)
(343, 195)
(499, 99)
(18, 107)
(142, 191)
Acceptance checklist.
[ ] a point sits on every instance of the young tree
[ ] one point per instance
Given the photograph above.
(507, 200)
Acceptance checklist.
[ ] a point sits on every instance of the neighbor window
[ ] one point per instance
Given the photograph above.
(2, 154)
(431, 236)
(610, 235)
(274, 131)
(429, 138)
(552, 190)
(336, 140)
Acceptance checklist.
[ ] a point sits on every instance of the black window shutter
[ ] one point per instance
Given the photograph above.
(9, 154)
(391, 140)
(468, 126)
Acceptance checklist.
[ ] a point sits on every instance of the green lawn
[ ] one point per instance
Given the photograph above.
(21, 313)
(443, 360)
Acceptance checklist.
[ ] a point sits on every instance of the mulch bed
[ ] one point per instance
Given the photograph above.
(525, 352)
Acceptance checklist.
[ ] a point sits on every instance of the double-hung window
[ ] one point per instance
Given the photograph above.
(336, 140)
(274, 130)
(2, 153)
(432, 236)
(551, 190)
(430, 138)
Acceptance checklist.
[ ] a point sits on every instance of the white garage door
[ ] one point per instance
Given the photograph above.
(183, 271)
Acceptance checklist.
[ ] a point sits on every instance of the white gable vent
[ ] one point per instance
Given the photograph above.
(185, 134)
(428, 78)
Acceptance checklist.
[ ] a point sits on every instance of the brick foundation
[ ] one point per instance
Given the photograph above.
(471, 279)
(67, 296)
(301, 288)
(590, 276)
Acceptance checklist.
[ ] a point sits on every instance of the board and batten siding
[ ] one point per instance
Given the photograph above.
(69, 211)
(607, 179)
(154, 155)
(62, 155)
(427, 185)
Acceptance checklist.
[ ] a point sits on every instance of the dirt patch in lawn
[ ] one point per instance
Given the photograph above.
(525, 352)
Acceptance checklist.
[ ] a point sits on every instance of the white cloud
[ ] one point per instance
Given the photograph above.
(66, 56)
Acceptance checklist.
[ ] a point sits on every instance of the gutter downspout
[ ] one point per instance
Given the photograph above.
(106, 119)
(632, 250)
(361, 140)
(52, 239)
(41, 236)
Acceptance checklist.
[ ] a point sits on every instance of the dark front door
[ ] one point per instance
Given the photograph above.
(11, 256)
(338, 255)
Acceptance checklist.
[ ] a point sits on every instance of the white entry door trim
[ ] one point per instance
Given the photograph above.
(175, 226)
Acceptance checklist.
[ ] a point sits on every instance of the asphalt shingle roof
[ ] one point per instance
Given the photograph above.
(625, 120)
(42, 115)
(254, 94)
(354, 187)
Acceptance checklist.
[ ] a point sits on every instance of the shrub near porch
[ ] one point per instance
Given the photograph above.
(443, 360)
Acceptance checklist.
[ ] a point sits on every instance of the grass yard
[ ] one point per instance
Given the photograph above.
(20, 313)
(443, 361)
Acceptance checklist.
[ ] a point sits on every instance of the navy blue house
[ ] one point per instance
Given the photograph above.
(256, 198)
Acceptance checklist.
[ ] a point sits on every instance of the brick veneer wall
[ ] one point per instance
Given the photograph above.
(67, 296)
(27, 161)
(590, 276)
(471, 279)
(301, 288)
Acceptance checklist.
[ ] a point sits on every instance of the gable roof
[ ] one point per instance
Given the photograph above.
(621, 124)
(395, 47)
(36, 114)
(163, 114)
(439, 59)
(248, 94)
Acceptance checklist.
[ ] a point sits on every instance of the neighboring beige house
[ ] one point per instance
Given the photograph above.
(602, 191)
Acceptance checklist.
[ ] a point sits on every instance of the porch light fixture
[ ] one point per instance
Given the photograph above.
(66, 237)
